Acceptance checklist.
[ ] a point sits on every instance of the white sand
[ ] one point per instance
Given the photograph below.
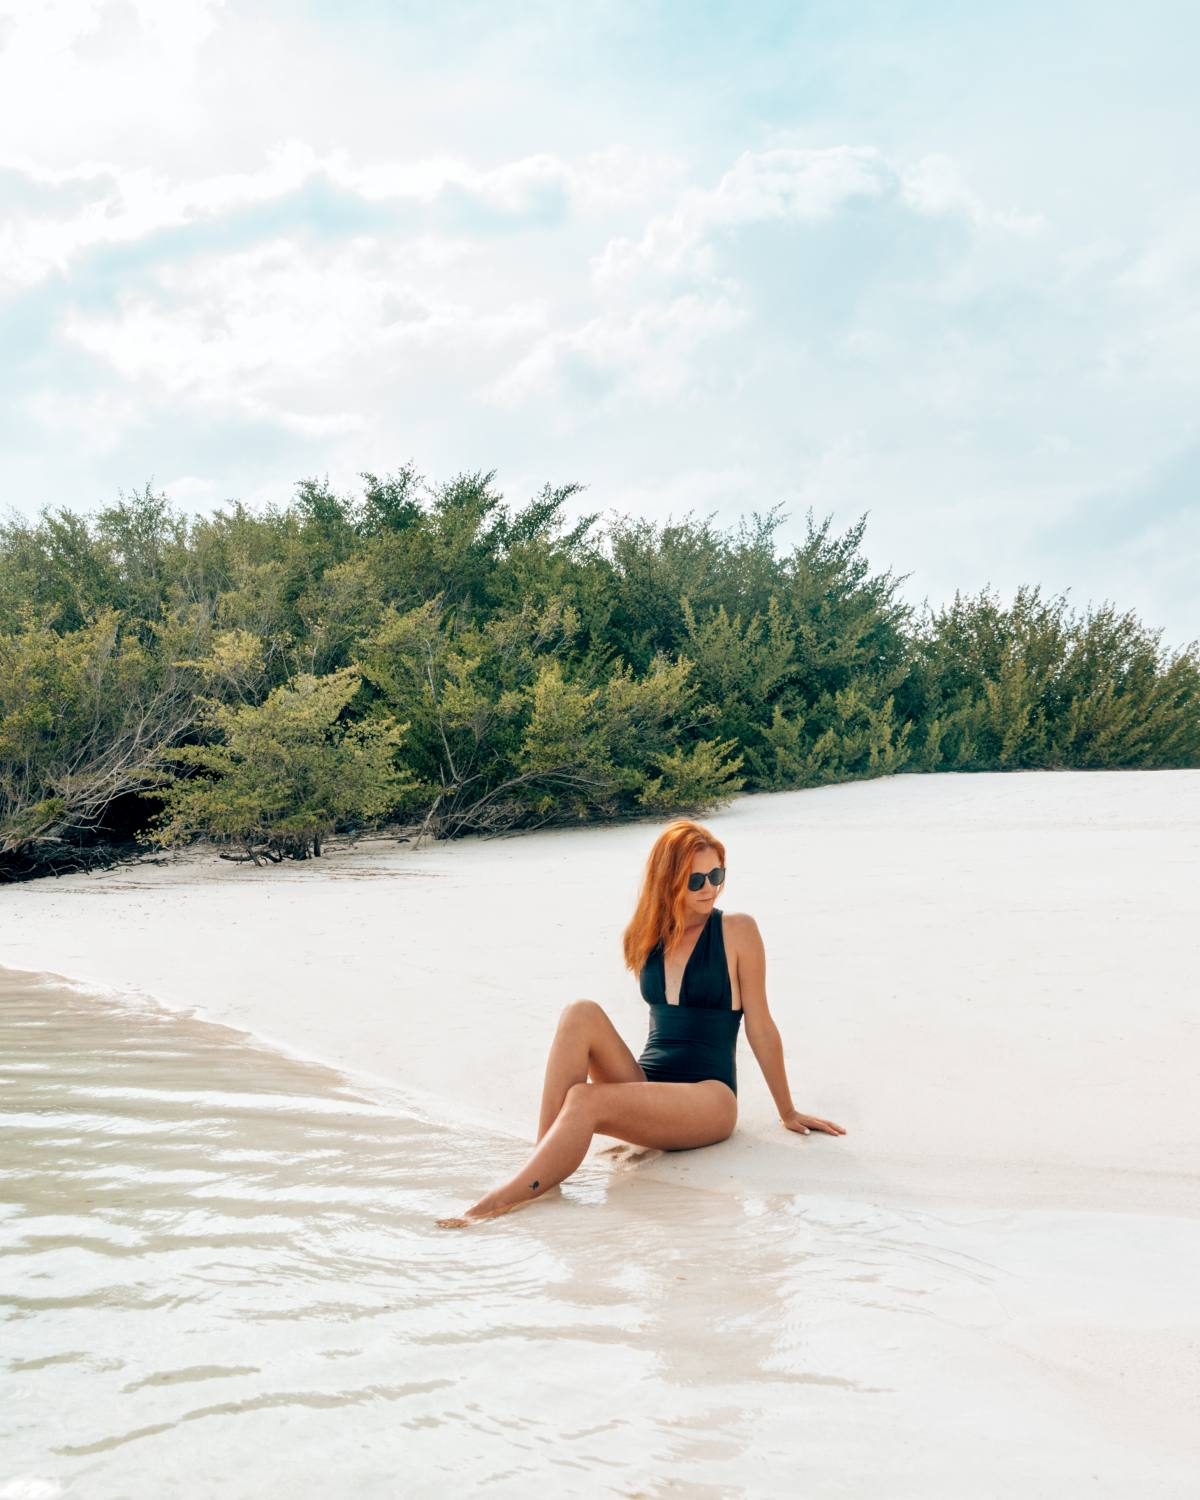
(989, 980)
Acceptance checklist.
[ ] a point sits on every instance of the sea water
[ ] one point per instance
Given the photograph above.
(220, 1274)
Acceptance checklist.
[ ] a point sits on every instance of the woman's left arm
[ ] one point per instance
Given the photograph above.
(762, 1032)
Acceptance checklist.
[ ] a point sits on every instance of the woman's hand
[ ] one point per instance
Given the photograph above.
(804, 1124)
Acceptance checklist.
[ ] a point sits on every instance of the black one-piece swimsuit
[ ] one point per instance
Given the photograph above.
(697, 1038)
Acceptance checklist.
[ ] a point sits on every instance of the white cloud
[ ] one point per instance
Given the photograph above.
(783, 183)
(936, 184)
(69, 68)
(104, 203)
(648, 356)
(125, 204)
(797, 185)
(96, 420)
(290, 334)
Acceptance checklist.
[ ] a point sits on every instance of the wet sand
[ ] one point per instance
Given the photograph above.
(220, 1266)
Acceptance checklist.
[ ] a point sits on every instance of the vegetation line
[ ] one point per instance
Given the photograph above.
(421, 659)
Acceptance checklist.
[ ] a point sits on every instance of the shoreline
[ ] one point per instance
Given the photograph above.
(747, 1159)
(358, 961)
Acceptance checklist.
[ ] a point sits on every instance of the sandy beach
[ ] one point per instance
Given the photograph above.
(985, 1287)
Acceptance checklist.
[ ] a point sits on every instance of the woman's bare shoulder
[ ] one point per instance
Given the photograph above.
(737, 922)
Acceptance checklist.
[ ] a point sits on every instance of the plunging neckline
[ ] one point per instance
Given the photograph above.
(688, 963)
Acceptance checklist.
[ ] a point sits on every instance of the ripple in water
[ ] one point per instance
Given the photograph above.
(220, 1274)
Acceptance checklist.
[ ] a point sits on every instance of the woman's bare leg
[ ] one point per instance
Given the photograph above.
(559, 1152)
(585, 1044)
(674, 1116)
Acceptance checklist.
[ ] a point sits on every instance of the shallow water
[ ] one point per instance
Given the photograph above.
(220, 1273)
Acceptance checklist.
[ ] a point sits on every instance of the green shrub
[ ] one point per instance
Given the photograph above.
(285, 772)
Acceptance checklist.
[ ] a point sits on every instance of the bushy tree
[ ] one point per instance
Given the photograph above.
(576, 744)
(740, 669)
(507, 729)
(1036, 685)
(285, 773)
(861, 738)
(83, 716)
(653, 569)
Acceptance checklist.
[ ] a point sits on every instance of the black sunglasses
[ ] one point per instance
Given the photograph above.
(716, 875)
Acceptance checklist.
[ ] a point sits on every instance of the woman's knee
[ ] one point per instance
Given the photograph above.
(580, 1099)
(580, 1013)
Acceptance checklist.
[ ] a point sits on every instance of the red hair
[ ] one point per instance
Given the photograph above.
(660, 908)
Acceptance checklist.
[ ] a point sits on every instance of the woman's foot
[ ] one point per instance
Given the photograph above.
(467, 1219)
(474, 1215)
(490, 1206)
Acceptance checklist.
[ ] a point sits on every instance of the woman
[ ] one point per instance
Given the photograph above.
(700, 971)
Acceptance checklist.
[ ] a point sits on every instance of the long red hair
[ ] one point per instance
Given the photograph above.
(660, 909)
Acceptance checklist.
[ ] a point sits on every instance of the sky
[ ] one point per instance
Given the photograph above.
(938, 264)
